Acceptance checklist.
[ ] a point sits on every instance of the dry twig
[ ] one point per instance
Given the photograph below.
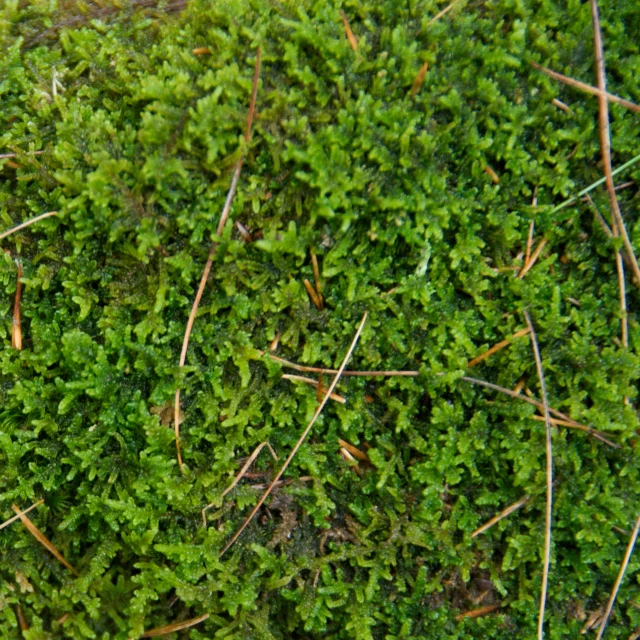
(27, 223)
(497, 347)
(16, 326)
(616, 586)
(547, 528)
(354, 451)
(6, 523)
(503, 514)
(419, 79)
(476, 613)
(212, 252)
(347, 29)
(176, 626)
(315, 383)
(442, 13)
(300, 440)
(41, 538)
(527, 266)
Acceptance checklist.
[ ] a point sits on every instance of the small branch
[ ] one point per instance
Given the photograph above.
(442, 13)
(15, 155)
(176, 626)
(28, 223)
(419, 79)
(587, 88)
(527, 255)
(527, 267)
(616, 586)
(6, 523)
(503, 514)
(476, 613)
(547, 528)
(497, 347)
(300, 440)
(16, 325)
(347, 29)
(315, 383)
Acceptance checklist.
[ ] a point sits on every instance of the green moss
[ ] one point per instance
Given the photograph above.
(390, 192)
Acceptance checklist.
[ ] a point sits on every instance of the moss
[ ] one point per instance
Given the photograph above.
(391, 193)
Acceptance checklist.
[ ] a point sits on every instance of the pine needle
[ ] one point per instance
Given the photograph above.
(616, 586)
(301, 439)
(587, 88)
(547, 528)
(503, 514)
(527, 255)
(497, 347)
(419, 79)
(347, 29)
(316, 274)
(6, 523)
(442, 13)
(527, 267)
(41, 538)
(15, 155)
(476, 613)
(16, 325)
(28, 223)
(176, 626)
(212, 252)
(315, 383)
(354, 451)
(317, 301)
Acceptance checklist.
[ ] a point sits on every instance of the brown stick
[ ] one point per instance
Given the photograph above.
(547, 528)
(300, 440)
(14, 155)
(176, 626)
(354, 451)
(616, 586)
(316, 274)
(587, 88)
(476, 613)
(527, 267)
(347, 29)
(313, 295)
(41, 538)
(315, 383)
(27, 223)
(527, 255)
(442, 13)
(503, 514)
(419, 79)
(6, 523)
(16, 326)
(212, 252)
(497, 347)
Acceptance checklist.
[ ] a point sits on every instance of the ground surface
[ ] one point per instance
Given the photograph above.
(390, 190)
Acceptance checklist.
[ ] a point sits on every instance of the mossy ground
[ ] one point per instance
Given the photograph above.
(390, 191)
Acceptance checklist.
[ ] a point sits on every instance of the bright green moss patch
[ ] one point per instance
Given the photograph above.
(391, 193)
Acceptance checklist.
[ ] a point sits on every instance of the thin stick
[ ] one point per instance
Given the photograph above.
(315, 383)
(313, 295)
(495, 178)
(503, 514)
(305, 369)
(41, 538)
(347, 29)
(301, 439)
(547, 531)
(497, 347)
(419, 79)
(476, 613)
(561, 105)
(594, 185)
(527, 267)
(580, 427)
(212, 252)
(16, 327)
(354, 451)
(316, 274)
(616, 586)
(527, 255)
(6, 523)
(176, 626)
(42, 216)
(15, 155)
(442, 13)
(587, 88)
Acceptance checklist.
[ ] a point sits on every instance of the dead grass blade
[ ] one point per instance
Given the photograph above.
(497, 347)
(302, 438)
(476, 613)
(315, 383)
(6, 523)
(616, 586)
(15, 155)
(22, 621)
(419, 79)
(587, 88)
(304, 369)
(527, 255)
(41, 538)
(316, 274)
(347, 29)
(495, 178)
(354, 451)
(28, 223)
(536, 254)
(176, 626)
(315, 298)
(212, 252)
(503, 514)
(580, 427)
(16, 326)
(547, 527)
(442, 13)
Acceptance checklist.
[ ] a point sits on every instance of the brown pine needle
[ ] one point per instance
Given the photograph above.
(176, 626)
(354, 451)
(240, 475)
(28, 222)
(305, 369)
(497, 347)
(315, 383)
(527, 255)
(15, 155)
(316, 274)
(561, 105)
(212, 252)
(503, 514)
(350, 460)
(201, 51)
(6, 523)
(580, 427)
(587, 88)
(16, 326)
(547, 528)
(492, 174)
(302, 438)
(41, 538)
(312, 294)
(476, 613)
(347, 29)
(442, 13)
(274, 343)
(616, 586)
(22, 621)
(417, 83)
(527, 267)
